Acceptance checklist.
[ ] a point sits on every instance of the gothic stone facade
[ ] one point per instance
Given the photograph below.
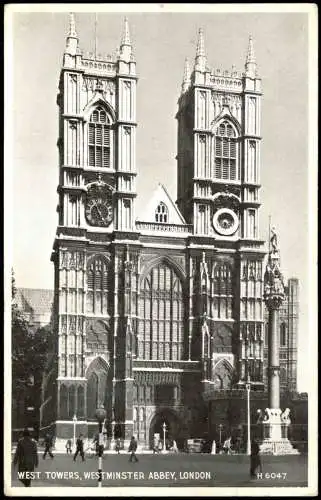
(150, 314)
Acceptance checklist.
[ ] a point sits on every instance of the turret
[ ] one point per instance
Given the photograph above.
(187, 77)
(250, 65)
(72, 37)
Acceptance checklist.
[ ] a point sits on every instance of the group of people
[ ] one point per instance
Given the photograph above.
(26, 454)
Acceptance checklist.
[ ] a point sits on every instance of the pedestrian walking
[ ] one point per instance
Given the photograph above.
(26, 456)
(132, 449)
(80, 448)
(117, 447)
(68, 446)
(255, 458)
(48, 446)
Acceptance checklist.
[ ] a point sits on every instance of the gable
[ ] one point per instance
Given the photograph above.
(159, 205)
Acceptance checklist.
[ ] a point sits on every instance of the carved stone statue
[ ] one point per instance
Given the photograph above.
(285, 417)
(274, 240)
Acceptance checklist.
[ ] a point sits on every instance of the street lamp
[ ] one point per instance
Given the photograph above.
(248, 390)
(100, 415)
(220, 430)
(74, 421)
(164, 435)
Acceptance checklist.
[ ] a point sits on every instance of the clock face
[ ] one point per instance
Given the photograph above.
(99, 212)
(225, 222)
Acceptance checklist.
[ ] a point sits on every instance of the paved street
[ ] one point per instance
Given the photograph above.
(181, 470)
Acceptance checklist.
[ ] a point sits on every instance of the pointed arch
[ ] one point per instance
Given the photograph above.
(226, 116)
(226, 148)
(96, 101)
(99, 284)
(222, 374)
(167, 261)
(161, 311)
(96, 375)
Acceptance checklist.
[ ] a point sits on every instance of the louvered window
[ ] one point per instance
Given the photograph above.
(226, 165)
(99, 139)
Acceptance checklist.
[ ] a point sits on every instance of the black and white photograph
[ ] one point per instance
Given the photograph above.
(160, 256)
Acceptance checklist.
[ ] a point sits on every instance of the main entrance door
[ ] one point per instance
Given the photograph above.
(172, 429)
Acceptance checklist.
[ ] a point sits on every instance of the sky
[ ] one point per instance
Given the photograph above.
(161, 42)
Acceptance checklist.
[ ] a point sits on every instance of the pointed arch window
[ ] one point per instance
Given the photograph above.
(223, 291)
(161, 327)
(99, 139)
(98, 286)
(226, 152)
(161, 213)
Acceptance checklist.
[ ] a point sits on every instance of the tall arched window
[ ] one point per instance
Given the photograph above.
(161, 214)
(99, 139)
(223, 290)
(98, 278)
(226, 152)
(161, 332)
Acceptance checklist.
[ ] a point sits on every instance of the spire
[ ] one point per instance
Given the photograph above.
(186, 77)
(250, 58)
(200, 59)
(125, 36)
(200, 50)
(250, 65)
(72, 26)
(125, 53)
(72, 38)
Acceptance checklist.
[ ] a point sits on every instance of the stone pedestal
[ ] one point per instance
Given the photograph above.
(275, 433)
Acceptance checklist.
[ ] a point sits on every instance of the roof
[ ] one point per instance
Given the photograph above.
(35, 300)
(159, 195)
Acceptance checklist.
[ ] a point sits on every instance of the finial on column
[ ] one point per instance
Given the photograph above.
(125, 53)
(200, 59)
(250, 65)
(72, 26)
(186, 77)
(125, 40)
(72, 40)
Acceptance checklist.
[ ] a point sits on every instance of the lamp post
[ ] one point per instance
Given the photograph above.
(100, 415)
(74, 419)
(164, 437)
(220, 427)
(248, 390)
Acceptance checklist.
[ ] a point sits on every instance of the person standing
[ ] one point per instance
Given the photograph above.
(48, 446)
(80, 448)
(68, 446)
(132, 449)
(26, 456)
(117, 447)
(255, 458)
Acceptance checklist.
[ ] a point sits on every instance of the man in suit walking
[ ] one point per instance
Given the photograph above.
(80, 448)
(132, 449)
(48, 446)
(26, 456)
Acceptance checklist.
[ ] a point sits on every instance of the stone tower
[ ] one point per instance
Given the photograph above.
(97, 177)
(218, 184)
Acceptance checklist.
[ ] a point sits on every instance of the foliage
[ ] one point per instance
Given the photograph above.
(29, 350)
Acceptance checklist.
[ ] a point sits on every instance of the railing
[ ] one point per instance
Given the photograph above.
(105, 66)
(159, 226)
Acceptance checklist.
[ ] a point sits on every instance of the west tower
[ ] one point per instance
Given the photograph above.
(218, 184)
(96, 210)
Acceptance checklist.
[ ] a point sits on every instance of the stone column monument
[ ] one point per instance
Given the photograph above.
(275, 422)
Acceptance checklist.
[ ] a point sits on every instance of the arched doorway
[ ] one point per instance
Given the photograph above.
(97, 390)
(173, 428)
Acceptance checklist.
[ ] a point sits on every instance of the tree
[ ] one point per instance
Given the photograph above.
(29, 355)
